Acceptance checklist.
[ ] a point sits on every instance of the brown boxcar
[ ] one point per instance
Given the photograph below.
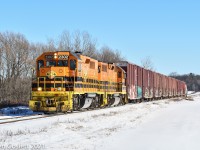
(147, 84)
(163, 85)
(133, 79)
(139, 82)
(151, 83)
(160, 85)
(167, 87)
(178, 87)
(165, 93)
(145, 89)
(174, 87)
(156, 85)
(170, 87)
(184, 87)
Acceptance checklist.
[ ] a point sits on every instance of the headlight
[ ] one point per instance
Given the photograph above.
(55, 56)
(39, 89)
(59, 88)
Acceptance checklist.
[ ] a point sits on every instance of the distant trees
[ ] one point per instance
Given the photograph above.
(18, 55)
(78, 41)
(15, 68)
(109, 55)
(192, 80)
(84, 43)
(173, 74)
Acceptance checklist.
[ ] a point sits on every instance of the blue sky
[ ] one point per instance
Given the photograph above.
(168, 31)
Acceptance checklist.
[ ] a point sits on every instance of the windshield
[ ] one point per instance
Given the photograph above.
(51, 63)
(62, 63)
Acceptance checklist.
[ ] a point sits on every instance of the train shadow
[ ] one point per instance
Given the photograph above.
(17, 111)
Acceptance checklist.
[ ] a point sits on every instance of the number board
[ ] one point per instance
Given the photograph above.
(63, 57)
(49, 56)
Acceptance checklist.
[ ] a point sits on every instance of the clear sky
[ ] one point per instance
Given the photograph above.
(168, 31)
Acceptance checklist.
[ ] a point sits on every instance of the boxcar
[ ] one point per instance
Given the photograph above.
(133, 80)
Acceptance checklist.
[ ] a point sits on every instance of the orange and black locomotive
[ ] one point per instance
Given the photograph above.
(67, 81)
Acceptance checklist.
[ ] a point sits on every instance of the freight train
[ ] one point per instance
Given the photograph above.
(69, 81)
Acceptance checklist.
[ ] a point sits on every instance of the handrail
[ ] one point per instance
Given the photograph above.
(38, 83)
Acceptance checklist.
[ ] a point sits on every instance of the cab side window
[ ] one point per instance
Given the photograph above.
(72, 64)
(40, 64)
(119, 74)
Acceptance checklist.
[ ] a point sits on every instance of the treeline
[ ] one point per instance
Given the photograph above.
(192, 80)
(18, 55)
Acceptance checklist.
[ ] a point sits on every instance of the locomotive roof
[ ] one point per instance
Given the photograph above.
(75, 55)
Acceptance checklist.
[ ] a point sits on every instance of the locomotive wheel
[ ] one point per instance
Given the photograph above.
(122, 101)
(76, 102)
(58, 108)
(97, 99)
(94, 103)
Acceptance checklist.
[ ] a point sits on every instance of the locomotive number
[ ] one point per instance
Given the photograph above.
(49, 56)
(65, 57)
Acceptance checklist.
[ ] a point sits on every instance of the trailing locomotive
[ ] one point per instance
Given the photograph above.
(67, 81)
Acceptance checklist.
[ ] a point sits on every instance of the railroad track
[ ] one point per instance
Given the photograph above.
(11, 118)
(34, 117)
(16, 117)
(25, 118)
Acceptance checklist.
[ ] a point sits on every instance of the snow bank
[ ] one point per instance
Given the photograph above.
(124, 127)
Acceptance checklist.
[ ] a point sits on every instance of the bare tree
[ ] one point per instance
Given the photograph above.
(65, 42)
(109, 55)
(147, 63)
(89, 45)
(51, 45)
(173, 74)
(77, 41)
(14, 67)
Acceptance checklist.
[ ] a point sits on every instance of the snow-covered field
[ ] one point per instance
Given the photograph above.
(157, 125)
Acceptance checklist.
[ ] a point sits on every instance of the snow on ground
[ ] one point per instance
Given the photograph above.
(175, 128)
(157, 125)
(194, 94)
(190, 92)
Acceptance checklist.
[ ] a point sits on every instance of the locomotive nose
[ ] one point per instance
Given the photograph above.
(50, 72)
